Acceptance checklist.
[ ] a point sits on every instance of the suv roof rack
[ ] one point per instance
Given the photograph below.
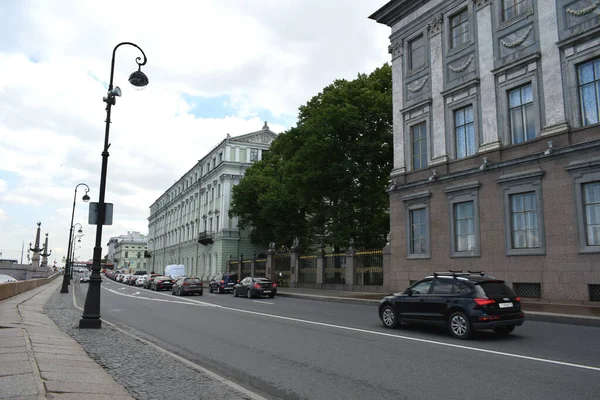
(455, 273)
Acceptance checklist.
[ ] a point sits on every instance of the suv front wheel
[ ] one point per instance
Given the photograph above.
(460, 326)
(388, 317)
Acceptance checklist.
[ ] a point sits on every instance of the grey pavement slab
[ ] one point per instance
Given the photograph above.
(78, 375)
(12, 342)
(14, 357)
(88, 396)
(17, 385)
(61, 350)
(75, 366)
(41, 357)
(14, 349)
(84, 387)
(10, 333)
(14, 368)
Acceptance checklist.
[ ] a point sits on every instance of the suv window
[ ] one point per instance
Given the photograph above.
(442, 286)
(230, 278)
(421, 287)
(461, 288)
(496, 288)
(192, 280)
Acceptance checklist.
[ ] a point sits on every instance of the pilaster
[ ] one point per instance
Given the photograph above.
(396, 50)
(438, 128)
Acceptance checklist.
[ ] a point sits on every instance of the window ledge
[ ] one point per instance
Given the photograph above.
(462, 186)
(579, 164)
(589, 250)
(509, 22)
(418, 256)
(532, 173)
(466, 254)
(526, 252)
(416, 196)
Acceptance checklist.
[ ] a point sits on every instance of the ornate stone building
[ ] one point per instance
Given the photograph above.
(496, 142)
(190, 225)
(128, 251)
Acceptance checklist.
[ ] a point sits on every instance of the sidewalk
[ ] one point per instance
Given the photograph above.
(39, 361)
(532, 308)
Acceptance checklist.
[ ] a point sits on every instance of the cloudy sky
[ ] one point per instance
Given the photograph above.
(215, 67)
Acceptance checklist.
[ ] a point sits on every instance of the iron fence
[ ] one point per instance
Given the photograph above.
(246, 269)
(281, 269)
(307, 269)
(528, 289)
(334, 266)
(369, 267)
(260, 268)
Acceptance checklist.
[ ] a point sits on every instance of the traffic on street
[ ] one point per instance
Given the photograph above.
(293, 348)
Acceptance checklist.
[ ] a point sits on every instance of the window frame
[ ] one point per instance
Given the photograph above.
(596, 83)
(413, 202)
(583, 172)
(503, 17)
(459, 108)
(411, 66)
(516, 183)
(503, 90)
(254, 153)
(469, 21)
(465, 192)
(411, 147)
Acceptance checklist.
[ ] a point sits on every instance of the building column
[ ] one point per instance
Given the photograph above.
(554, 105)
(320, 269)
(489, 116)
(350, 268)
(395, 49)
(294, 255)
(438, 126)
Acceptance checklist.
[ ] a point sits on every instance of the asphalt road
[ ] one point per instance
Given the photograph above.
(292, 348)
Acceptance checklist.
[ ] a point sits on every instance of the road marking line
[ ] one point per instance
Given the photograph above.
(414, 339)
(212, 375)
(262, 302)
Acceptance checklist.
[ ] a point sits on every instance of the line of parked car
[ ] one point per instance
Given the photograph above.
(184, 285)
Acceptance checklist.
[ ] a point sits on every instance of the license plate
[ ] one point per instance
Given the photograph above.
(266, 291)
(192, 286)
(506, 305)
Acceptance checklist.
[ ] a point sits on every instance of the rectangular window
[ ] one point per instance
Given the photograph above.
(419, 146)
(418, 231)
(464, 226)
(212, 193)
(522, 123)
(210, 225)
(219, 190)
(220, 158)
(589, 91)
(512, 8)
(417, 52)
(459, 28)
(524, 221)
(465, 132)
(217, 224)
(253, 154)
(126, 254)
(591, 203)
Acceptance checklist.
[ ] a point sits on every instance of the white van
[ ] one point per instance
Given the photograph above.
(175, 271)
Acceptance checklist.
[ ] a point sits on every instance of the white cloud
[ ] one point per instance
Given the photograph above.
(266, 59)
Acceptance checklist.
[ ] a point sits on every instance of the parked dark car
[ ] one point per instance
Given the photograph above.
(148, 283)
(184, 286)
(162, 283)
(223, 283)
(255, 287)
(463, 301)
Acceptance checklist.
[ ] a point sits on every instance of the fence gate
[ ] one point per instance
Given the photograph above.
(260, 268)
(281, 269)
(335, 268)
(246, 269)
(307, 269)
(369, 267)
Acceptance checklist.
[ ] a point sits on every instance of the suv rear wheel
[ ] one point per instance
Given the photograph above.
(459, 325)
(388, 317)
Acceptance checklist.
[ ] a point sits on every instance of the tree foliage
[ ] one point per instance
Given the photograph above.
(326, 177)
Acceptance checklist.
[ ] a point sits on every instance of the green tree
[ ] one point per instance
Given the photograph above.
(327, 176)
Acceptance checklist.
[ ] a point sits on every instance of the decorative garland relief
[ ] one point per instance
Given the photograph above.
(584, 11)
(462, 67)
(419, 86)
(517, 42)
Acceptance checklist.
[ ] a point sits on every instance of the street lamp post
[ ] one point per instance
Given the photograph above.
(91, 311)
(73, 253)
(69, 256)
(67, 276)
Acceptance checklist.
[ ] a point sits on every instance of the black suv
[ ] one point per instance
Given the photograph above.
(223, 283)
(463, 301)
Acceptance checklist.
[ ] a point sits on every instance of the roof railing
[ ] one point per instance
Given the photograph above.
(455, 274)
